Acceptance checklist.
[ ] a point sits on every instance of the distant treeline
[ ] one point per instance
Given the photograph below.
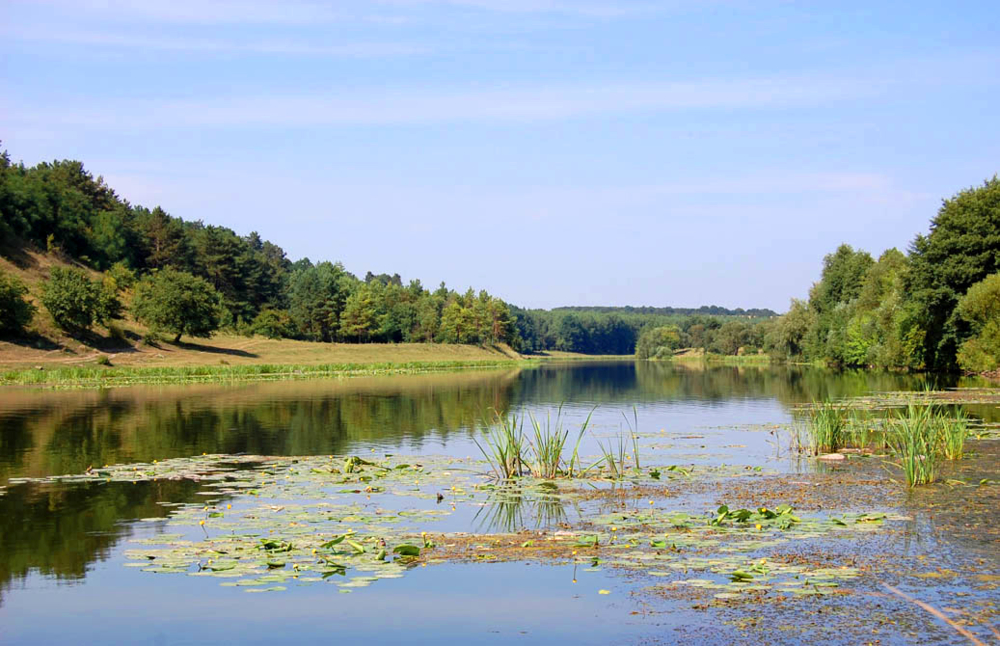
(191, 278)
(704, 310)
(595, 332)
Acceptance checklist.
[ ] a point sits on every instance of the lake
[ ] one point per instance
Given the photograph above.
(712, 434)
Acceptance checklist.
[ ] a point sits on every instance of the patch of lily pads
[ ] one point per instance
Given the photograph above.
(267, 524)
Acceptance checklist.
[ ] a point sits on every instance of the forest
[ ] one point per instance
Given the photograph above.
(190, 278)
(935, 307)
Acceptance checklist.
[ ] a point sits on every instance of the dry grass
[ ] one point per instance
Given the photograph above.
(47, 346)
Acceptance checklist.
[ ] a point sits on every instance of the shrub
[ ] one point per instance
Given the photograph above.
(123, 276)
(177, 302)
(15, 312)
(273, 324)
(980, 307)
(71, 298)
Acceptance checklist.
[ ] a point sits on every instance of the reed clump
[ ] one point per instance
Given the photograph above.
(920, 436)
(511, 453)
(827, 428)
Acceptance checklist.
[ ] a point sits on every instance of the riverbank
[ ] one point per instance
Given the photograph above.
(235, 358)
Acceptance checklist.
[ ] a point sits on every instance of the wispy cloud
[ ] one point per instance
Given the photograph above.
(406, 106)
(298, 12)
(221, 46)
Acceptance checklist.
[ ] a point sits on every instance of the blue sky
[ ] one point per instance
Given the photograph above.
(553, 152)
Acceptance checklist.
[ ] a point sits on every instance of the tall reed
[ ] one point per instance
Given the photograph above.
(953, 433)
(915, 442)
(827, 428)
(504, 446)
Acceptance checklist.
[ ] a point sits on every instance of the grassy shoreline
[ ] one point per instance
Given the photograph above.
(106, 377)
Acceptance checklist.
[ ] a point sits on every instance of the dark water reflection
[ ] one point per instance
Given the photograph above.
(61, 532)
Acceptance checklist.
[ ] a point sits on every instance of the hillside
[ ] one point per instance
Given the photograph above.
(46, 345)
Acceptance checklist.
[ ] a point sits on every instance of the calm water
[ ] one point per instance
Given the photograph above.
(61, 574)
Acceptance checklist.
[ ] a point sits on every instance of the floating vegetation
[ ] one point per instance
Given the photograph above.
(270, 523)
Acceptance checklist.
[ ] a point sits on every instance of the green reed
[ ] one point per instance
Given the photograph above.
(504, 446)
(827, 428)
(915, 441)
(953, 433)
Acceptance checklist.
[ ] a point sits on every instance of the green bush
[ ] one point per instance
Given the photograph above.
(123, 276)
(177, 302)
(71, 298)
(980, 307)
(658, 342)
(15, 312)
(273, 324)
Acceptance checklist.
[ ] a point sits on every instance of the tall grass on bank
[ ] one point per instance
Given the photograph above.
(104, 377)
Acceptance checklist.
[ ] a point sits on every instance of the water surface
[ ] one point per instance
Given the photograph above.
(61, 545)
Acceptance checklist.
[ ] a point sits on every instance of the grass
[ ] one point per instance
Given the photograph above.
(504, 446)
(103, 377)
(919, 436)
(915, 442)
(953, 433)
(511, 453)
(615, 454)
(827, 428)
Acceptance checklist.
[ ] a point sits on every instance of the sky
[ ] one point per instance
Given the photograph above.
(553, 152)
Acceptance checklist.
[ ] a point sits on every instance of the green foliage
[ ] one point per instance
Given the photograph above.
(915, 442)
(15, 312)
(658, 342)
(962, 249)
(123, 276)
(76, 302)
(903, 310)
(273, 324)
(827, 429)
(177, 302)
(980, 308)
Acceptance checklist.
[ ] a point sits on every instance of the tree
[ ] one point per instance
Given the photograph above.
(962, 249)
(75, 301)
(788, 335)
(658, 342)
(15, 311)
(980, 308)
(359, 319)
(273, 324)
(177, 302)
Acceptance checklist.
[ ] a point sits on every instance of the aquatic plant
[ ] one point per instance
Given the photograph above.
(827, 428)
(634, 434)
(509, 451)
(504, 446)
(915, 442)
(953, 433)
